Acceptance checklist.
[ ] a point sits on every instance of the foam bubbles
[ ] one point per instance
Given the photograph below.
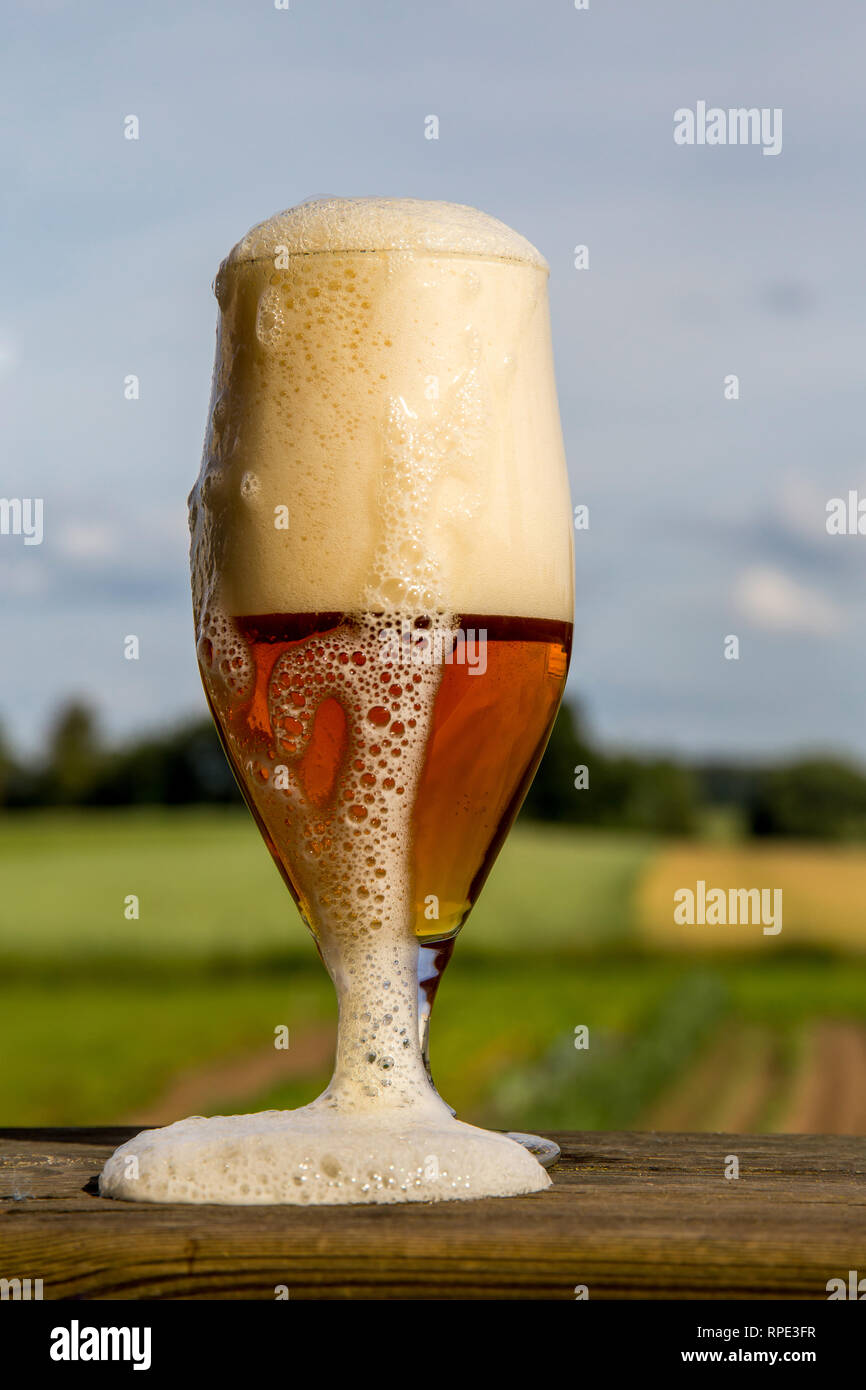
(270, 320)
(314, 1157)
(384, 369)
(225, 655)
(410, 225)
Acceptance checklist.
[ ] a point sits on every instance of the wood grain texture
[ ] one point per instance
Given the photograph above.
(647, 1216)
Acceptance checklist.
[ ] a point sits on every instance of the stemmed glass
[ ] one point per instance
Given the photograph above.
(382, 588)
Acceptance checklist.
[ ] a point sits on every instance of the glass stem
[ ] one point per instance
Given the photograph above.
(432, 960)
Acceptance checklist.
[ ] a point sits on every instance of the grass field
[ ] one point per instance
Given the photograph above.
(208, 892)
(108, 1019)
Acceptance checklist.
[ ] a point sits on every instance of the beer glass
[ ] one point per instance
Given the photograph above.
(382, 589)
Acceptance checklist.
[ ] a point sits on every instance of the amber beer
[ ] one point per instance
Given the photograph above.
(491, 718)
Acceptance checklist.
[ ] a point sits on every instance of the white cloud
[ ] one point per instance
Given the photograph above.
(8, 353)
(88, 540)
(770, 599)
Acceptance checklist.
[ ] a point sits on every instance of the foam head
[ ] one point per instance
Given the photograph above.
(413, 225)
(384, 431)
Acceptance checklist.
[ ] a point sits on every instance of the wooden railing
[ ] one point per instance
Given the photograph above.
(646, 1216)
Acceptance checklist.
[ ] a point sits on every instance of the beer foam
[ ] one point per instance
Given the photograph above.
(384, 432)
(383, 224)
(315, 1157)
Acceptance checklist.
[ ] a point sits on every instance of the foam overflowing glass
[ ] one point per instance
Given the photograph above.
(382, 592)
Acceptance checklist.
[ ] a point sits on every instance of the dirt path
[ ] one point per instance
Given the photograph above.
(731, 1087)
(237, 1081)
(727, 1089)
(829, 1095)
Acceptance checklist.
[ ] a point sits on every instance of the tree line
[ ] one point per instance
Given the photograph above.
(577, 783)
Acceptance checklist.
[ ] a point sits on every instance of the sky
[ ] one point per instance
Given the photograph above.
(707, 515)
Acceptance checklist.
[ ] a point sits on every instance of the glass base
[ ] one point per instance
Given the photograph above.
(543, 1149)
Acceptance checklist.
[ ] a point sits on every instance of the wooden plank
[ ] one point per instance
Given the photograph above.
(630, 1216)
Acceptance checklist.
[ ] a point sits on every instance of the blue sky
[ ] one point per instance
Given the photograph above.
(707, 516)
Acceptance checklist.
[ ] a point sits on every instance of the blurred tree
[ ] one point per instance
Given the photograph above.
(727, 784)
(576, 783)
(553, 795)
(663, 799)
(7, 769)
(819, 798)
(74, 757)
(183, 767)
(620, 792)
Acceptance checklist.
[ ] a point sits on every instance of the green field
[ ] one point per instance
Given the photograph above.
(209, 894)
(99, 1014)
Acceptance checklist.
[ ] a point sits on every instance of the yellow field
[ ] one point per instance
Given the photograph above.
(823, 896)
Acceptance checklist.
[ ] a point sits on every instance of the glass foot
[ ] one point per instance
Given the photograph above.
(543, 1149)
